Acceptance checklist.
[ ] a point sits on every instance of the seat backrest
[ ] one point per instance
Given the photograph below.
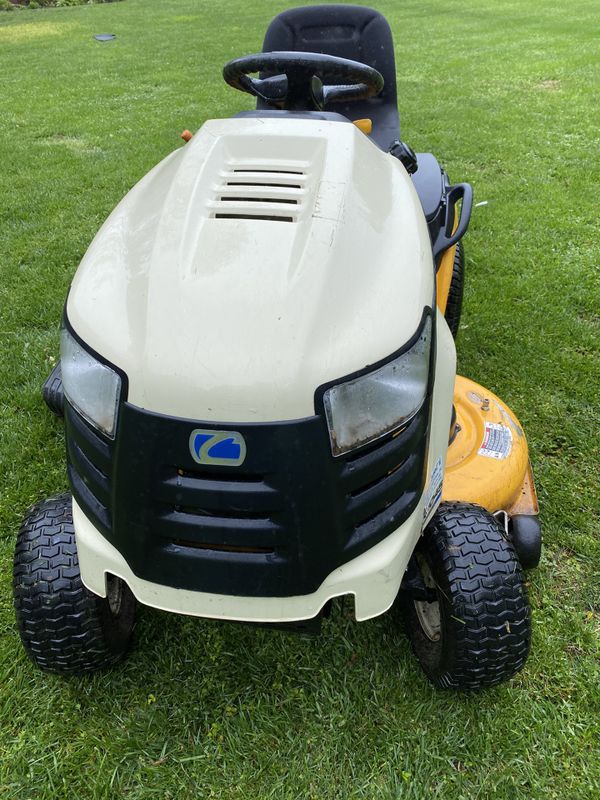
(354, 32)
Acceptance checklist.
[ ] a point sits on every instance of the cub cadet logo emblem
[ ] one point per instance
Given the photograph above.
(221, 448)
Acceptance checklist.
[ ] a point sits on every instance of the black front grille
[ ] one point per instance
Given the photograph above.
(275, 526)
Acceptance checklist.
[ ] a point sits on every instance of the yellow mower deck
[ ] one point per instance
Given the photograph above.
(488, 458)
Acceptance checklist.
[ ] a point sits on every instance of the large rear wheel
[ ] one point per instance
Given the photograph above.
(455, 293)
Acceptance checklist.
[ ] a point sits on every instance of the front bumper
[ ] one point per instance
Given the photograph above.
(373, 578)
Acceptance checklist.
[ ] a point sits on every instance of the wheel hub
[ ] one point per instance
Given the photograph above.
(428, 613)
(114, 594)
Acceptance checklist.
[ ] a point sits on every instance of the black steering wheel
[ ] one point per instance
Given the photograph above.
(296, 81)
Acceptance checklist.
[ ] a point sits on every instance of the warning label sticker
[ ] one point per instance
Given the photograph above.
(497, 441)
(434, 491)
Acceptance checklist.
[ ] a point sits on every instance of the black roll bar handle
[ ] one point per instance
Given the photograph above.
(448, 234)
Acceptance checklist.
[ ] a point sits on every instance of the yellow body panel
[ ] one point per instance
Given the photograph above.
(488, 460)
(444, 278)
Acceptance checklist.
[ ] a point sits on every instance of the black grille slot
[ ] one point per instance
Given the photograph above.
(235, 199)
(208, 476)
(272, 171)
(261, 183)
(221, 548)
(254, 216)
(233, 513)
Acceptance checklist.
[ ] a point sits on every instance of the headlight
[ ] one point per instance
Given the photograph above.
(361, 410)
(90, 386)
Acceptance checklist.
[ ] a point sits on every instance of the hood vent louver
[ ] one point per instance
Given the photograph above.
(272, 191)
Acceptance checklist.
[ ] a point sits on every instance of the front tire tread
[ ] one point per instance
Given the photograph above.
(64, 627)
(483, 601)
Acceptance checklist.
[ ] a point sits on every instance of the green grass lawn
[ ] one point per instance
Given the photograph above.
(506, 94)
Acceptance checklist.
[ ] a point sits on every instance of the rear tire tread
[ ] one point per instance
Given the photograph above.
(455, 293)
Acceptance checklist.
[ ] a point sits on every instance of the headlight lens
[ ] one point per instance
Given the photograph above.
(90, 386)
(366, 408)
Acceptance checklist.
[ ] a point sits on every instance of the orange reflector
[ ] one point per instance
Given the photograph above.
(364, 125)
(186, 135)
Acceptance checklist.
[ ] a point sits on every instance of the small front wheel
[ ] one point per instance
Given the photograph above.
(64, 627)
(469, 625)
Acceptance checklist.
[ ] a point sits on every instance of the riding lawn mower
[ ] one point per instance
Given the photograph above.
(258, 381)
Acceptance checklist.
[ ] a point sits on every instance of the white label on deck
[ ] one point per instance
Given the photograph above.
(497, 441)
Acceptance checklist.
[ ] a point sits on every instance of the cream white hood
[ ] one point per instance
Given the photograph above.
(218, 315)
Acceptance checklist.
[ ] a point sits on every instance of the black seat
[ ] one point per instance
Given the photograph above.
(354, 32)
